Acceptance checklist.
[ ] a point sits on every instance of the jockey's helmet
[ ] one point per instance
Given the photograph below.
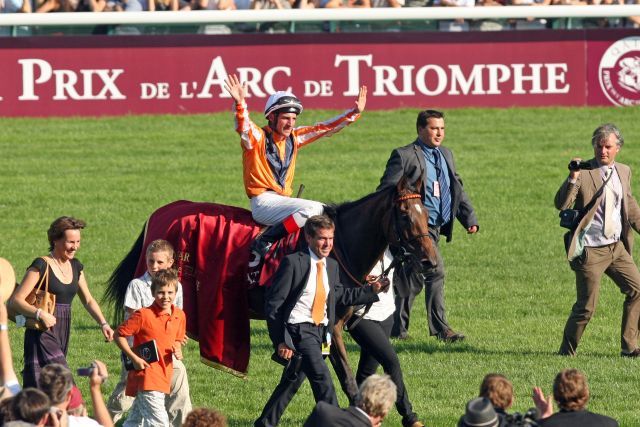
(282, 102)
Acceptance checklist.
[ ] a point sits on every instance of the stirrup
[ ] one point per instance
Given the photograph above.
(255, 268)
(259, 248)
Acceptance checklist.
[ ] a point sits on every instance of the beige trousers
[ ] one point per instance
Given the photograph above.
(614, 261)
(177, 403)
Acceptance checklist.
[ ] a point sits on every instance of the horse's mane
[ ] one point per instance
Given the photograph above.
(332, 209)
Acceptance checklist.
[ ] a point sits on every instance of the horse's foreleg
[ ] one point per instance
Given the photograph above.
(340, 362)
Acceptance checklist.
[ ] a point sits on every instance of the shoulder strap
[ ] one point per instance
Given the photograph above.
(44, 279)
(597, 195)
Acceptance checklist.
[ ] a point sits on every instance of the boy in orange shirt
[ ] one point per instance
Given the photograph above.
(166, 324)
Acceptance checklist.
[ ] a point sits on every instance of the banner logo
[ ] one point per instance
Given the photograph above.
(619, 72)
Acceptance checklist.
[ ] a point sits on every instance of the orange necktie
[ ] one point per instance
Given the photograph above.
(320, 298)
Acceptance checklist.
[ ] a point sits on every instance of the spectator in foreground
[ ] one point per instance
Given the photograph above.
(30, 407)
(479, 413)
(203, 417)
(376, 396)
(6, 414)
(9, 385)
(571, 393)
(56, 382)
(499, 390)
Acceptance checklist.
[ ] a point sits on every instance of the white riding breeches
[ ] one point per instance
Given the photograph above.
(271, 208)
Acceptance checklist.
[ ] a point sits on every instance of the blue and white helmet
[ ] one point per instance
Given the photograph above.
(284, 102)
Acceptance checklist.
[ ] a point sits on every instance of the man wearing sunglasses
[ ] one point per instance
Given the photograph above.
(269, 160)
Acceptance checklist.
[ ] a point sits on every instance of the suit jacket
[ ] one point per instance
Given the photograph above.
(580, 194)
(289, 283)
(582, 418)
(325, 415)
(409, 160)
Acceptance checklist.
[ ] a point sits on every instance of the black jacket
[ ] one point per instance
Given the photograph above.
(288, 284)
(325, 415)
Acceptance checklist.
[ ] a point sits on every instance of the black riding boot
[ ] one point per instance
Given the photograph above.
(268, 237)
(259, 249)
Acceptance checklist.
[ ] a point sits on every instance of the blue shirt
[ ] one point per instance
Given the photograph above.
(431, 201)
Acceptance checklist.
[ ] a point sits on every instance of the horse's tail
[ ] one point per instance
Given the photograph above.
(120, 278)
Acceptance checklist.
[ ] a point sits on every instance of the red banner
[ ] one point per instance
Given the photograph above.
(101, 75)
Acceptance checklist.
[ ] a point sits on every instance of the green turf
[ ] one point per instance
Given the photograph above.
(508, 288)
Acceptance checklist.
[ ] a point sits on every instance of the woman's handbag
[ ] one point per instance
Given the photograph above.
(40, 298)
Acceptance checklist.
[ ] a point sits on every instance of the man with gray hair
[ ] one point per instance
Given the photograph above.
(600, 240)
(375, 398)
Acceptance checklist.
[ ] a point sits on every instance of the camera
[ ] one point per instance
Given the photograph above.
(86, 372)
(528, 419)
(576, 165)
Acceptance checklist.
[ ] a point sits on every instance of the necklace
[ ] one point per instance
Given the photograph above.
(64, 275)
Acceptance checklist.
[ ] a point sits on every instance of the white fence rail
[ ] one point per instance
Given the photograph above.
(314, 15)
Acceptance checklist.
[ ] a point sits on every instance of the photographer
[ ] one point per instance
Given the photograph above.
(499, 391)
(601, 239)
(57, 382)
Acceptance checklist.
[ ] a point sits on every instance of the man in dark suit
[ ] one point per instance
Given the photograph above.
(376, 396)
(300, 310)
(443, 195)
(571, 393)
(603, 239)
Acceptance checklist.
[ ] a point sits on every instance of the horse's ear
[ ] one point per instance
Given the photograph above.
(403, 184)
(417, 186)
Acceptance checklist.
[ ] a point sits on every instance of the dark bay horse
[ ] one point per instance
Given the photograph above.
(212, 262)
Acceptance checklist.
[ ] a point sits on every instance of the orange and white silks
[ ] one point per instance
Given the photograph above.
(257, 173)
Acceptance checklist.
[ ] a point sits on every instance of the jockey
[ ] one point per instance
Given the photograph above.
(269, 160)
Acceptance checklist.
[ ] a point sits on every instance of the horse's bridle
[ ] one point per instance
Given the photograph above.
(402, 242)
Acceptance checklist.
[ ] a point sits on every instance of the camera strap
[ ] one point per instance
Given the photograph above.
(595, 197)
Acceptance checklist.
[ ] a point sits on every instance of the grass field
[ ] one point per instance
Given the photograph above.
(508, 288)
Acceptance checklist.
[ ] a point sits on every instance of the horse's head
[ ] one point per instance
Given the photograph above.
(409, 223)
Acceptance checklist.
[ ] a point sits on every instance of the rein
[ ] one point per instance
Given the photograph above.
(397, 259)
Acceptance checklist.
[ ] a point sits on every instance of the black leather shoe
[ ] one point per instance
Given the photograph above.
(635, 353)
(450, 336)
